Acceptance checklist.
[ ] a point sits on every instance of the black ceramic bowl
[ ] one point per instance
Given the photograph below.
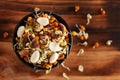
(22, 22)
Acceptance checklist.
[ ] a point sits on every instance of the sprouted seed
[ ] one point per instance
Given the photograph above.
(85, 43)
(65, 76)
(81, 51)
(36, 11)
(77, 8)
(80, 68)
(89, 17)
(74, 33)
(109, 42)
(103, 12)
(96, 45)
(66, 67)
(5, 34)
(48, 71)
(82, 35)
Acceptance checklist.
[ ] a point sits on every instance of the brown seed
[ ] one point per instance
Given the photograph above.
(55, 24)
(42, 46)
(5, 34)
(62, 56)
(55, 63)
(51, 20)
(47, 66)
(103, 12)
(46, 15)
(77, 8)
(29, 19)
(74, 33)
(96, 44)
(82, 27)
(81, 37)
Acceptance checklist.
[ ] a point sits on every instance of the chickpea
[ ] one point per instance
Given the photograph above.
(82, 27)
(96, 44)
(77, 8)
(47, 66)
(46, 15)
(62, 56)
(55, 24)
(74, 33)
(51, 20)
(103, 12)
(5, 34)
(29, 18)
(81, 37)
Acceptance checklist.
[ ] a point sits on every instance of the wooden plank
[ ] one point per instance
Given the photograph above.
(102, 63)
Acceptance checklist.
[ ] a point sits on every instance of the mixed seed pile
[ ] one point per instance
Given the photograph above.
(42, 41)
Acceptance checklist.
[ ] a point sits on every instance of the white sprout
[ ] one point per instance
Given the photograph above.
(89, 17)
(85, 43)
(36, 10)
(65, 76)
(81, 51)
(62, 64)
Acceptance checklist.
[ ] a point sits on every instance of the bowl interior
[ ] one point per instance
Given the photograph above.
(22, 22)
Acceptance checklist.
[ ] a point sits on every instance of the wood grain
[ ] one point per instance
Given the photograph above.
(102, 63)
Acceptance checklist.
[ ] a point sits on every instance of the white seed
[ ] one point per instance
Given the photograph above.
(54, 46)
(54, 57)
(35, 57)
(43, 21)
(65, 76)
(20, 31)
(109, 42)
(80, 68)
(81, 51)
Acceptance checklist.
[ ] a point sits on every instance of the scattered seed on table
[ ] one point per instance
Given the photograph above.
(81, 51)
(77, 8)
(80, 68)
(103, 12)
(5, 34)
(89, 17)
(65, 76)
(96, 44)
(109, 42)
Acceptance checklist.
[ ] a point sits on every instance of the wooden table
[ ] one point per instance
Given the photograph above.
(102, 63)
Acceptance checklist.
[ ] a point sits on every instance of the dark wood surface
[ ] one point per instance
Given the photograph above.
(102, 63)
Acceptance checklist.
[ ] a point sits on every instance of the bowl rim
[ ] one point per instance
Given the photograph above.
(23, 21)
